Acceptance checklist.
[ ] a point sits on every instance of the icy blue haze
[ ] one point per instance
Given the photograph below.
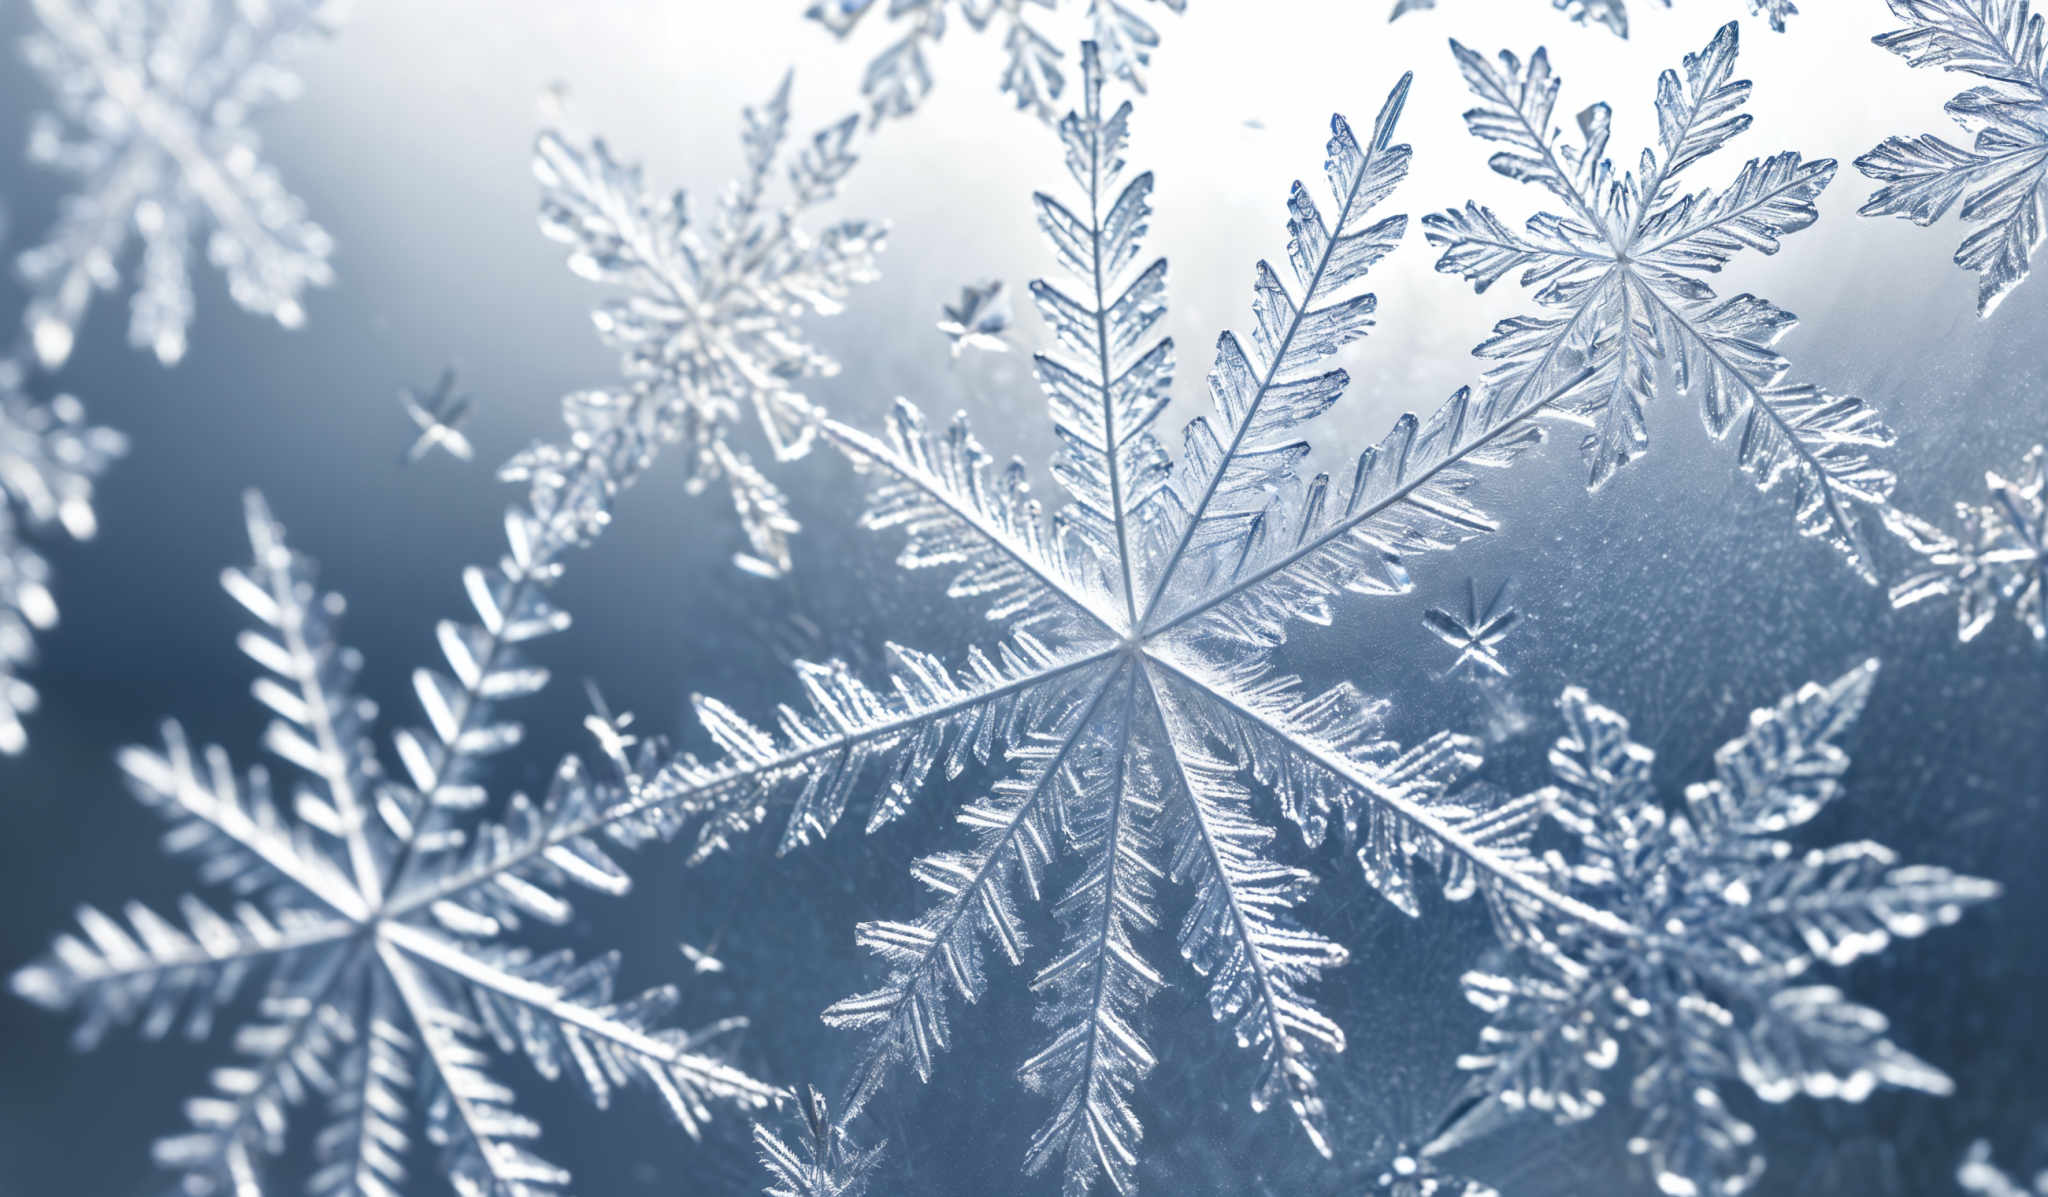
(1526, 715)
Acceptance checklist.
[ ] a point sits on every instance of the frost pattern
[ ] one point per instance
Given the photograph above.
(1621, 282)
(1998, 555)
(898, 79)
(1724, 920)
(49, 460)
(1612, 15)
(710, 328)
(1979, 1177)
(377, 912)
(2000, 182)
(153, 99)
(1132, 705)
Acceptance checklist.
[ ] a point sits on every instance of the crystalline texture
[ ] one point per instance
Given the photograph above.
(153, 99)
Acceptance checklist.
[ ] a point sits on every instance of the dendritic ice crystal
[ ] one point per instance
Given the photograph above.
(1622, 286)
(1722, 919)
(49, 460)
(1612, 15)
(379, 920)
(1997, 555)
(1133, 704)
(2000, 182)
(153, 99)
(898, 78)
(711, 327)
(1979, 1176)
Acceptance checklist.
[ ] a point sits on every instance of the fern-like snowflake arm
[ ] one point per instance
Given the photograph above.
(2000, 182)
(1265, 395)
(360, 1150)
(1014, 838)
(318, 722)
(1490, 843)
(1092, 994)
(153, 88)
(1103, 412)
(1240, 932)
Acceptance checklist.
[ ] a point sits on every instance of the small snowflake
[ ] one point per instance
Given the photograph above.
(437, 417)
(2001, 182)
(1999, 556)
(979, 318)
(49, 460)
(382, 933)
(1477, 633)
(153, 99)
(1725, 920)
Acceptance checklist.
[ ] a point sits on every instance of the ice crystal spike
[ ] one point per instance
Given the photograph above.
(1709, 983)
(1978, 1176)
(437, 417)
(710, 328)
(49, 460)
(1621, 279)
(1130, 713)
(979, 318)
(152, 104)
(898, 78)
(379, 943)
(2000, 182)
(1999, 555)
(825, 1162)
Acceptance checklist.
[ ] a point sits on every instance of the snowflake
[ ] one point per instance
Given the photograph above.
(437, 418)
(1979, 1177)
(383, 934)
(1724, 919)
(49, 460)
(898, 79)
(1612, 15)
(1133, 703)
(1621, 273)
(2002, 182)
(2000, 556)
(1477, 633)
(711, 326)
(825, 1163)
(978, 319)
(157, 94)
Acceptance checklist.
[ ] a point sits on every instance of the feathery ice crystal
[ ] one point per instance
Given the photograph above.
(711, 325)
(1724, 920)
(1621, 277)
(379, 922)
(2000, 555)
(153, 99)
(49, 460)
(2000, 182)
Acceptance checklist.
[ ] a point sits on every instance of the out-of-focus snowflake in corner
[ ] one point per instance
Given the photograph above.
(1999, 555)
(1980, 1177)
(1724, 920)
(898, 78)
(153, 99)
(711, 328)
(378, 913)
(2001, 181)
(49, 460)
(1621, 277)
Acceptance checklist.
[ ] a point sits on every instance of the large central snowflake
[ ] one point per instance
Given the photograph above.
(1134, 701)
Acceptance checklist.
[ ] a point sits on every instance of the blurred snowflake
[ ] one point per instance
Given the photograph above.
(898, 79)
(1612, 15)
(383, 930)
(2001, 182)
(711, 327)
(153, 99)
(49, 460)
(1723, 920)
(1999, 556)
(1980, 1177)
(978, 319)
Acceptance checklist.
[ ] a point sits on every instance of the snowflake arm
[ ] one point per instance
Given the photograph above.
(161, 93)
(49, 461)
(2001, 181)
(824, 1163)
